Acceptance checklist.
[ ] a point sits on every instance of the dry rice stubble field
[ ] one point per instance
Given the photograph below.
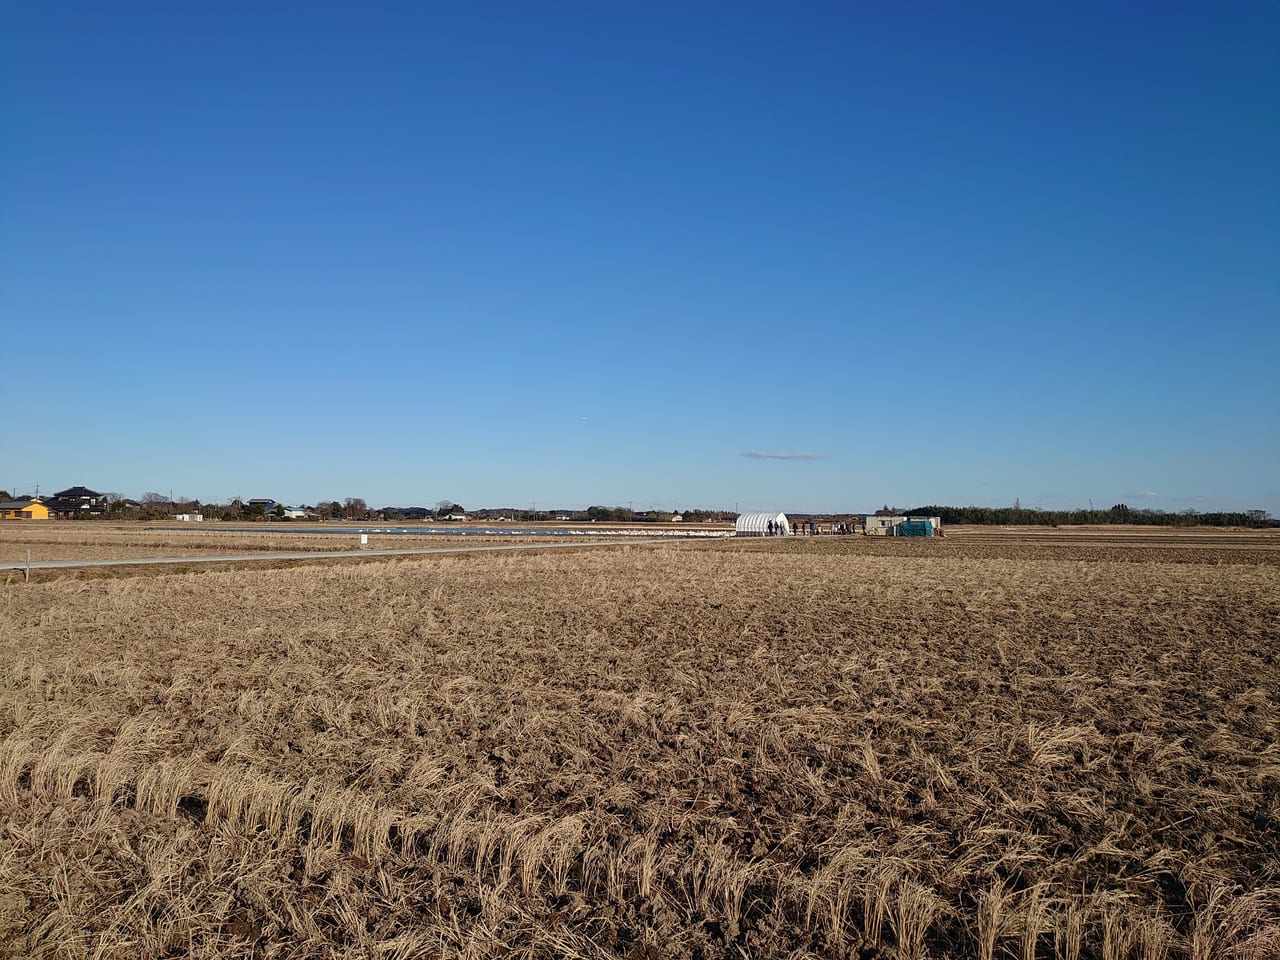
(94, 540)
(688, 751)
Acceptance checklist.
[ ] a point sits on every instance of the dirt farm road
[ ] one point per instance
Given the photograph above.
(313, 555)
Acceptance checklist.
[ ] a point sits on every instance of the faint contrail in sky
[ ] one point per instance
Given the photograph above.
(767, 455)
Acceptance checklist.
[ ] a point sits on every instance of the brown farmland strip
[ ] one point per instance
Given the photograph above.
(986, 748)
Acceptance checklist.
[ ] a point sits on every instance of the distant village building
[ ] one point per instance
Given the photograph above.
(79, 494)
(76, 502)
(28, 509)
(189, 517)
(296, 513)
(25, 508)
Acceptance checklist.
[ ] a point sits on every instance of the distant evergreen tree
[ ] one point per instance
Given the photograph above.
(1120, 513)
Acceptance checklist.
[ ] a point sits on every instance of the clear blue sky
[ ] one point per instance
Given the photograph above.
(582, 253)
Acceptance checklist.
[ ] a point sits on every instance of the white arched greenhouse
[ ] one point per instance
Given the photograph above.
(762, 525)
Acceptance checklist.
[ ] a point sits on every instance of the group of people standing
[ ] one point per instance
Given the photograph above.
(810, 528)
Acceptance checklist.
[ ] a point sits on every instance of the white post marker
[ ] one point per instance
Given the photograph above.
(364, 539)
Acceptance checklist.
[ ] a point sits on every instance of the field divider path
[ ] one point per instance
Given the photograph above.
(313, 555)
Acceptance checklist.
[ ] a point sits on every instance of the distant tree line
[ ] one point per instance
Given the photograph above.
(1119, 513)
(606, 514)
(627, 515)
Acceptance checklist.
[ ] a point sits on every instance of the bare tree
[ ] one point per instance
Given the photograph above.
(155, 504)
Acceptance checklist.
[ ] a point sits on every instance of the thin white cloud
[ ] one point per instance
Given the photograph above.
(769, 455)
(1143, 495)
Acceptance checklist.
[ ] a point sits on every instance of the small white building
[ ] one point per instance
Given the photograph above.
(762, 525)
(189, 517)
(294, 513)
(893, 526)
(882, 526)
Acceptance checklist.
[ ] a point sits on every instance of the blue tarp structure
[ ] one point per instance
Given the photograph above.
(915, 528)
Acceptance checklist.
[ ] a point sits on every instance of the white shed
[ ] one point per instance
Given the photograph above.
(762, 525)
(882, 526)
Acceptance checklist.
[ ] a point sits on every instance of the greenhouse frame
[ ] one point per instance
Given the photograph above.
(762, 525)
